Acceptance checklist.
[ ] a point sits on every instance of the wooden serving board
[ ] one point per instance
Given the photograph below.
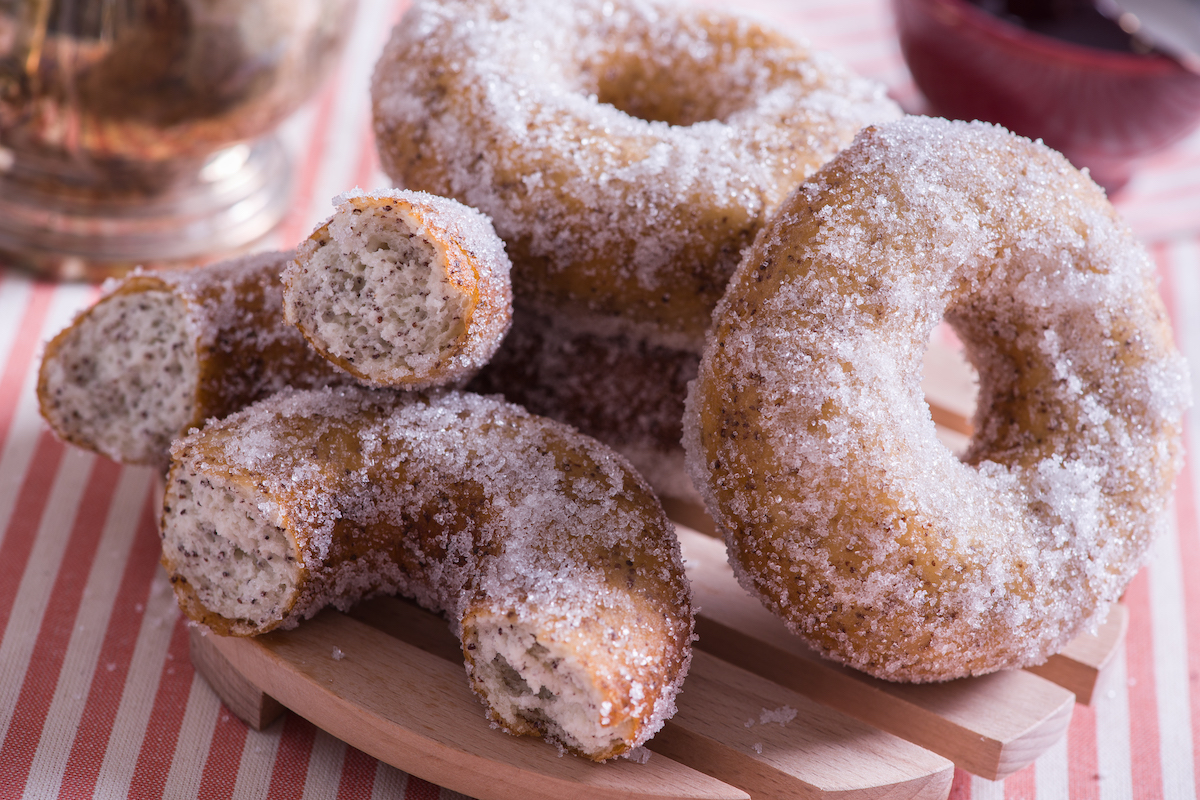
(388, 679)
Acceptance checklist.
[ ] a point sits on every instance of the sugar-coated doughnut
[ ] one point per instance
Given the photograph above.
(163, 351)
(551, 557)
(626, 150)
(808, 436)
(402, 289)
(619, 389)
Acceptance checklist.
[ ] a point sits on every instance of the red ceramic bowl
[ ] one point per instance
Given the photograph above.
(1102, 109)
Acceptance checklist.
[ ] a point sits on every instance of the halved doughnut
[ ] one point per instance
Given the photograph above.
(402, 289)
(551, 557)
(163, 351)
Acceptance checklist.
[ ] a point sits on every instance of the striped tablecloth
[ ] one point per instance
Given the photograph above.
(97, 695)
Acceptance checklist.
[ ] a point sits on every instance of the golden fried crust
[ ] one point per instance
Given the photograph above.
(628, 173)
(246, 352)
(808, 435)
(472, 506)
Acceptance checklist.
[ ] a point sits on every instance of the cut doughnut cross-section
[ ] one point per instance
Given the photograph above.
(402, 289)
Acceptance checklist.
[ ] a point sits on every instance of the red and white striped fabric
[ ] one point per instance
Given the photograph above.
(97, 695)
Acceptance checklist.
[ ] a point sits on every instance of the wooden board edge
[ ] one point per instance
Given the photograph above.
(311, 670)
(722, 753)
(950, 419)
(1018, 753)
(873, 702)
(1086, 664)
(245, 700)
(716, 759)
(730, 727)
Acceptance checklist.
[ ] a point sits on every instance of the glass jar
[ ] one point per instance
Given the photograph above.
(139, 131)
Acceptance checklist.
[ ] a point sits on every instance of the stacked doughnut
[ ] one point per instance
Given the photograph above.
(627, 152)
(624, 391)
(808, 435)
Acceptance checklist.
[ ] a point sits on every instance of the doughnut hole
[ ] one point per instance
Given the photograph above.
(704, 69)
(1057, 387)
(132, 395)
(951, 386)
(221, 539)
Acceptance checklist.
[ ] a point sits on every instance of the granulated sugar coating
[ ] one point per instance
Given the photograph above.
(626, 150)
(163, 351)
(623, 391)
(402, 289)
(548, 553)
(807, 432)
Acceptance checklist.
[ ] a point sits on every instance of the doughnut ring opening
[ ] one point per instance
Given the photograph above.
(626, 151)
(809, 438)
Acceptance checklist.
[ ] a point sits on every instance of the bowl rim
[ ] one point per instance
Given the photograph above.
(1048, 48)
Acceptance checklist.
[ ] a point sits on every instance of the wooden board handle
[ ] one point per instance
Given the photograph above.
(413, 710)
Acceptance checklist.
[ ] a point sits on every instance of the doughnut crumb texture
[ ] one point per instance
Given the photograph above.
(162, 351)
(551, 558)
(124, 379)
(808, 436)
(228, 540)
(627, 151)
(402, 289)
(533, 687)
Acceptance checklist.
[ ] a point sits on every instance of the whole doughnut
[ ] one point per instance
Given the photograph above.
(626, 150)
(551, 557)
(807, 433)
